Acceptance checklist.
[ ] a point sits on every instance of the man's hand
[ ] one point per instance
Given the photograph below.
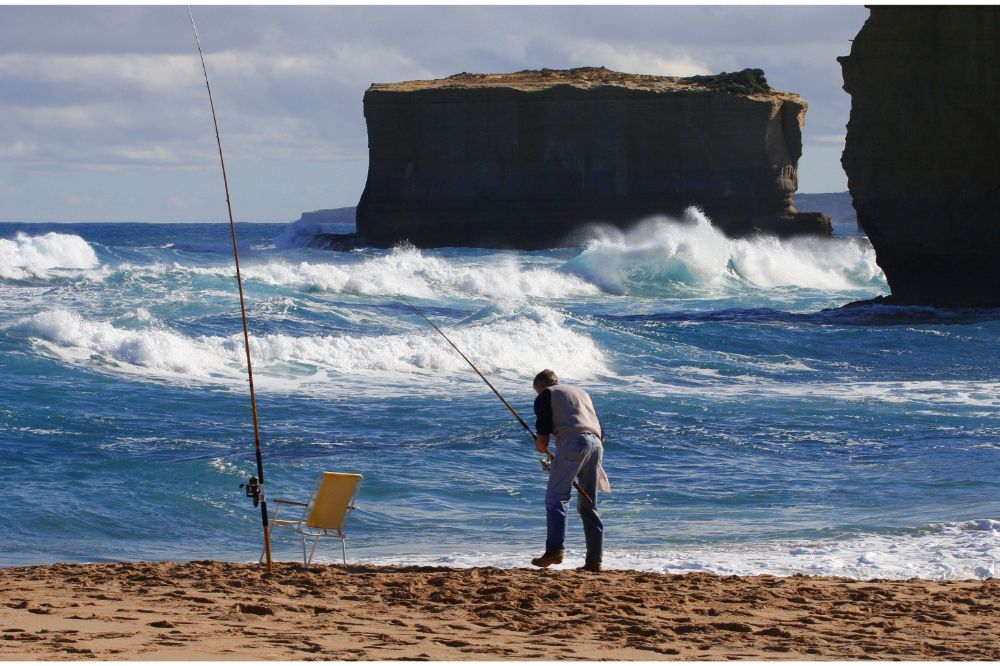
(542, 444)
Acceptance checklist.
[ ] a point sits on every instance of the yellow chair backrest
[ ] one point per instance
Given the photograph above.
(333, 500)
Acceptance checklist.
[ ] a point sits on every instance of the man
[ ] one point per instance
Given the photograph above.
(568, 413)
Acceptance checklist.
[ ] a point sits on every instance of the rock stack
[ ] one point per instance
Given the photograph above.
(923, 149)
(527, 160)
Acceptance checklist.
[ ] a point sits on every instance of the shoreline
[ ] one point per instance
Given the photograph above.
(209, 610)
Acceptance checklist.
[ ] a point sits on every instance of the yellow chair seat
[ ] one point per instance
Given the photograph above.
(333, 497)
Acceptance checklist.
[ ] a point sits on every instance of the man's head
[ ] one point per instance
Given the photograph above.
(545, 379)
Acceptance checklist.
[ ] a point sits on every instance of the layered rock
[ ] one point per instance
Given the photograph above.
(526, 160)
(923, 147)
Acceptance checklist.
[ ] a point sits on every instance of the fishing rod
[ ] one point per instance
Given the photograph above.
(255, 485)
(524, 424)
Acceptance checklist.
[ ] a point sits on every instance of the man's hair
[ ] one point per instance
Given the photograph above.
(545, 378)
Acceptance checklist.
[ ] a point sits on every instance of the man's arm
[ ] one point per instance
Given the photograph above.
(543, 421)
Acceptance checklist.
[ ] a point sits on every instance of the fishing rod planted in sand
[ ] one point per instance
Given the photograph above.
(255, 485)
(524, 424)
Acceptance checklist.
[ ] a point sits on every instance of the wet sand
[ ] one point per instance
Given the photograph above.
(215, 610)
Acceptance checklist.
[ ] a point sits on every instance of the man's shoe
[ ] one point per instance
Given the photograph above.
(590, 566)
(555, 557)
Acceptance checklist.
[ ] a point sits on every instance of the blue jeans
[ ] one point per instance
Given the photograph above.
(577, 457)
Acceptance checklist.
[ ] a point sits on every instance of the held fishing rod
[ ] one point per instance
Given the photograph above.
(255, 486)
(524, 424)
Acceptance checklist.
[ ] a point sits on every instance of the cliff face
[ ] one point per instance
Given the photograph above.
(923, 148)
(528, 159)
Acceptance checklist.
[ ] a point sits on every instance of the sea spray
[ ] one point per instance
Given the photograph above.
(661, 254)
(816, 263)
(657, 256)
(40, 257)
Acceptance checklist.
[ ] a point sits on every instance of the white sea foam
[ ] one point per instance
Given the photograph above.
(501, 343)
(506, 340)
(970, 393)
(693, 252)
(229, 468)
(409, 272)
(220, 247)
(404, 270)
(41, 257)
(964, 550)
(937, 393)
(651, 256)
(73, 337)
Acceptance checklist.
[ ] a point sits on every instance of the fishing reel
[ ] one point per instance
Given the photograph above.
(546, 464)
(252, 488)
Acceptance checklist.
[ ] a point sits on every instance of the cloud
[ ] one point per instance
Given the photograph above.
(156, 154)
(91, 90)
(150, 109)
(181, 204)
(17, 149)
(78, 200)
(76, 117)
(635, 60)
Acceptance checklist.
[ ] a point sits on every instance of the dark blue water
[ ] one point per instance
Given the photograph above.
(753, 425)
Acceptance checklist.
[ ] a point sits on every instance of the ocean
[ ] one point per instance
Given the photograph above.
(753, 424)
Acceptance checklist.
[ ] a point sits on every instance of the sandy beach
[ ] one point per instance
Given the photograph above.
(215, 610)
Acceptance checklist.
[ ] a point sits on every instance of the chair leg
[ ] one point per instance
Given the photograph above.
(305, 562)
(313, 551)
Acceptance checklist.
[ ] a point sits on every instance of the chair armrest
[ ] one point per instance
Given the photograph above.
(284, 501)
(278, 503)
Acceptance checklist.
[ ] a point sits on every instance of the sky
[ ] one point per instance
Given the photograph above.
(106, 118)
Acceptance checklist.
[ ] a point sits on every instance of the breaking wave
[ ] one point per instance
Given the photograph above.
(694, 253)
(409, 272)
(45, 256)
(512, 343)
(656, 257)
